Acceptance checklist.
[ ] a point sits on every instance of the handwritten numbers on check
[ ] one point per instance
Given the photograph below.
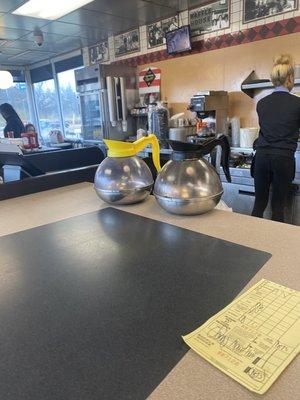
(255, 337)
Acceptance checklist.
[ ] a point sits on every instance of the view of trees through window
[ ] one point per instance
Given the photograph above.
(47, 107)
(69, 104)
(16, 96)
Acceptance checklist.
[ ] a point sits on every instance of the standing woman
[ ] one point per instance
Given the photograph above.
(13, 121)
(279, 120)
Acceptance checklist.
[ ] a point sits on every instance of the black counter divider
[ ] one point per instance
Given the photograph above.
(93, 307)
(50, 170)
(47, 182)
(65, 159)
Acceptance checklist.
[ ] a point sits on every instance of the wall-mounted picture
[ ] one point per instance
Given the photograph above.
(99, 53)
(156, 32)
(258, 9)
(210, 18)
(127, 43)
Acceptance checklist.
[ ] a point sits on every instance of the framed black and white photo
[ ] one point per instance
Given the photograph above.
(258, 9)
(99, 53)
(127, 43)
(156, 32)
(210, 18)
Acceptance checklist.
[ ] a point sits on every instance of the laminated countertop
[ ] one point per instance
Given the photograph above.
(192, 378)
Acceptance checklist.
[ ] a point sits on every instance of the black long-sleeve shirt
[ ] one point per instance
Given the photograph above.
(15, 125)
(279, 120)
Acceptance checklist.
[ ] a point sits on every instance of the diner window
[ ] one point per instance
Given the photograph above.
(47, 107)
(17, 97)
(69, 104)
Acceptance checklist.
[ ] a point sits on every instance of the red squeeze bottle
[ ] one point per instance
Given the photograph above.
(10, 135)
(36, 140)
(26, 140)
(33, 140)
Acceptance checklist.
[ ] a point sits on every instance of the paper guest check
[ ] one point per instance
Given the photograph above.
(255, 337)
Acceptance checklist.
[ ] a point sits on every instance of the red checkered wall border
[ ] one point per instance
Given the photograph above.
(268, 31)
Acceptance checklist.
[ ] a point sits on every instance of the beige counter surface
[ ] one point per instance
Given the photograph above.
(192, 378)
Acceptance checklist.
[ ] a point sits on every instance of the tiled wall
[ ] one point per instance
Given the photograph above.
(228, 66)
(236, 25)
(224, 69)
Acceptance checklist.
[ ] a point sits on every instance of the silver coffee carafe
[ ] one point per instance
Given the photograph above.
(188, 184)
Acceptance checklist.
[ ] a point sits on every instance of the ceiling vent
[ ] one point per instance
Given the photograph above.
(3, 42)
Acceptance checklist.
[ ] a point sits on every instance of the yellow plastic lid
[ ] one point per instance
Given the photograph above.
(117, 148)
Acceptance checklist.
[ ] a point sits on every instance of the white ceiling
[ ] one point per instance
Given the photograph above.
(80, 28)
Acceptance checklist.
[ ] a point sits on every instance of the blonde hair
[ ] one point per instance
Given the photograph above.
(282, 70)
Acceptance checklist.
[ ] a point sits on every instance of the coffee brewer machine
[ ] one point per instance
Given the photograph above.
(212, 108)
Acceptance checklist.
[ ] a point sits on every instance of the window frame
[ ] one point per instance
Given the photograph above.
(32, 113)
(32, 101)
(33, 109)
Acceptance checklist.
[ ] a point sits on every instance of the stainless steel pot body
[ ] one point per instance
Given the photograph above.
(188, 187)
(123, 180)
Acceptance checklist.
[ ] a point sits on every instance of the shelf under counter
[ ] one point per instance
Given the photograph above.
(239, 195)
(39, 171)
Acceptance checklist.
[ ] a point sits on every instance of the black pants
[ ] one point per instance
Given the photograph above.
(276, 170)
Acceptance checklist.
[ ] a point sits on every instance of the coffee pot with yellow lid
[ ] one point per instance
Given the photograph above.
(123, 177)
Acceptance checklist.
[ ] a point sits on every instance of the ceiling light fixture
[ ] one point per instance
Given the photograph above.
(49, 9)
(6, 80)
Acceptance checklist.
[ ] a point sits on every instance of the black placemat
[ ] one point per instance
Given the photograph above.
(93, 307)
